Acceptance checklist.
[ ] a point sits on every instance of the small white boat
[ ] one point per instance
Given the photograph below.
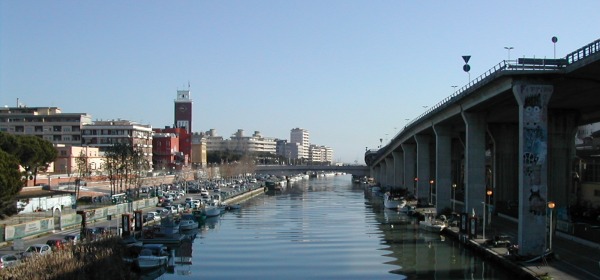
(152, 256)
(212, 209)
(168, 226)
(393, 201)
(432, 225)
(188, 224)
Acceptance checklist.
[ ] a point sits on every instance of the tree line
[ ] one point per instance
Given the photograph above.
(22, 157)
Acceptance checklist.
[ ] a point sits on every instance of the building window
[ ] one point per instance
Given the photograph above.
(596, 192)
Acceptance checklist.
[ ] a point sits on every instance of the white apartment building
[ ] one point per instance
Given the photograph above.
(302, 137)
(49, 123)
(239, 142)
(103, 134)
(320, 154)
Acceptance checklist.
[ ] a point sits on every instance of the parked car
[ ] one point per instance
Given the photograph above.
(72, 238)
(151, 216)
(172, 209)
(56, 244)
(8, 260)
(36, 250)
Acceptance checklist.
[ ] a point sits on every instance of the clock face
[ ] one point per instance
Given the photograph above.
(182, 108)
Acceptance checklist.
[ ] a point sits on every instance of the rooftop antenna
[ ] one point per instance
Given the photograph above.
(188, 84)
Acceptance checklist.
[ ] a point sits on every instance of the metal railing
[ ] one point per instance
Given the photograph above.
(589, 50)
(499, 69)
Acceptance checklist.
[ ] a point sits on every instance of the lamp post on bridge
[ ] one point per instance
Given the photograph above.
(489, 197)
(415, 189)
(508, 50)
(551, 205)
(431, 191)
(453, 197)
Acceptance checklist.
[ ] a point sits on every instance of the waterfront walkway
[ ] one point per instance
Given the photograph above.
(573, 258)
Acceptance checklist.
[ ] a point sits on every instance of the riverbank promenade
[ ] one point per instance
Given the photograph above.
(573, 258)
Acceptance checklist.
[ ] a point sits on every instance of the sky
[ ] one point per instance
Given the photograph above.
(352, 73)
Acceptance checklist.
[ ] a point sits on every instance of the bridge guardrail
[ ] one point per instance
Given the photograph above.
(507, 65)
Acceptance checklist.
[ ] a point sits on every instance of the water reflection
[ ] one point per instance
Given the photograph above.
(322, 229)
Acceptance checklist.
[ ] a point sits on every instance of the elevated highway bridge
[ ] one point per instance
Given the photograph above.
(505, 140)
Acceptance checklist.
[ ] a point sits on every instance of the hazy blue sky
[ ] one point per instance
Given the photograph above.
(351, 72)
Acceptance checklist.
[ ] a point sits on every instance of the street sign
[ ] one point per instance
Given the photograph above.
(466, 58)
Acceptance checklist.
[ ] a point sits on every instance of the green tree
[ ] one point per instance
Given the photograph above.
(10, 184)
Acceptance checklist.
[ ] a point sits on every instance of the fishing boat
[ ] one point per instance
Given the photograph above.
(168, 226)
(212, 209)
(152, 256)
(391, 201)
(188, 222)
(432, 225)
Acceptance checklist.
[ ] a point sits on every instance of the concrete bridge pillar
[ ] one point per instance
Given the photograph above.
(533, 166)
(443, 167)
(375, 173)
(475, 187)
(505, 154)
(562, 128)
(423, 173)
(410, 157)
(389, 180)
(382, 173)
(398, 169)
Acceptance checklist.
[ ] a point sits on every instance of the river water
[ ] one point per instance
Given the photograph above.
(324, 228)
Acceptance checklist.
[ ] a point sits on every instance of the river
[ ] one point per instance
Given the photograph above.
(324, 228)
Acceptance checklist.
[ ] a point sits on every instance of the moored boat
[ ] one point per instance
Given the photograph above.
(432, 225)
(212, 210)
(391, 201)
(188, 222)
(152, 256)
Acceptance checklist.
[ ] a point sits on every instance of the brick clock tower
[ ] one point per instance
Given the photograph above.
(183, 111)
(183, 120)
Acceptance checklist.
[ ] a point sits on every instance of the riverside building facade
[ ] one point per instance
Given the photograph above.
(48, 123)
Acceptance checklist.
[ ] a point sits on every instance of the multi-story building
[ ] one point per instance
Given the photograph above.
(66, 161)
(256, 143)
(239, 143)
(103, 134)
(199, 155)
(165, 150)
(172, 144)
(213, 141)
(320, 154)
(302, 137)
(49, 123)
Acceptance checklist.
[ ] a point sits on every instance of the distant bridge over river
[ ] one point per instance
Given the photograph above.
(356, 170)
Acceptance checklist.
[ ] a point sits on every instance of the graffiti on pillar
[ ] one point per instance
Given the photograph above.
(534, 151)
(533, 116)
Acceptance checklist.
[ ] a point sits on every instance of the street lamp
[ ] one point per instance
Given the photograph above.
(483, 202)
(453, 197)
(508, 49)
(554, 40)
(489, 196)
(431, 190)
(415, 190)
(551, 205)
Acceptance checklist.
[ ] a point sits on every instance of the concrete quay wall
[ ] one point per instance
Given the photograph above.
(494, 254)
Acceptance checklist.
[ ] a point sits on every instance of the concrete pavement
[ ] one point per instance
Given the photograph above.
(573, 258)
